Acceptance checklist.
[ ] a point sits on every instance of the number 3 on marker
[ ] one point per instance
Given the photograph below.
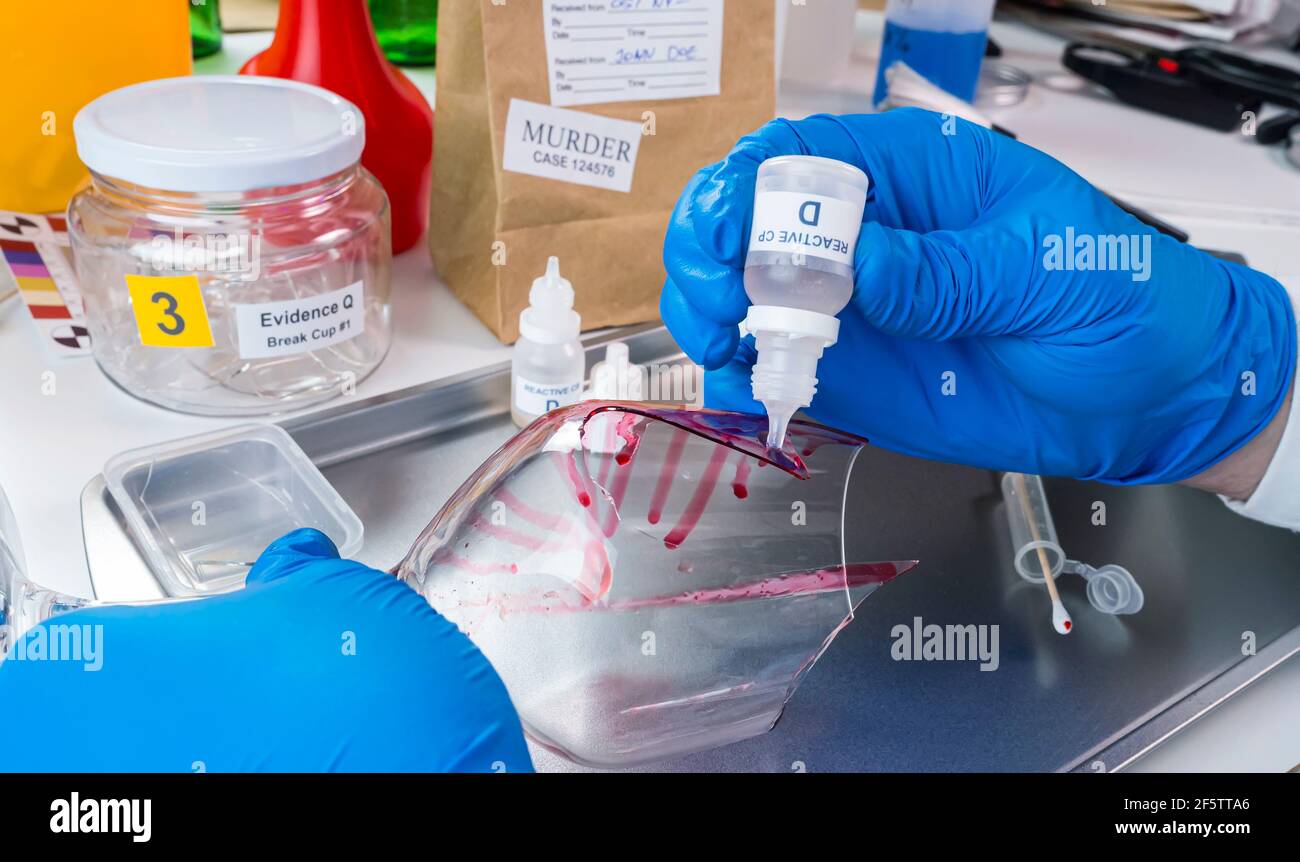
(169, 310)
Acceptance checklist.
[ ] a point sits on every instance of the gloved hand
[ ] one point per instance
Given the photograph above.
(317, 664)
(966, 340)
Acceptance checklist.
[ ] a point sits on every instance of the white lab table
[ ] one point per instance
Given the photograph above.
(52, 444)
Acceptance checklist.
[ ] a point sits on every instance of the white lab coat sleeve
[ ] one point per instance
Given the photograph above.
(1277, 499)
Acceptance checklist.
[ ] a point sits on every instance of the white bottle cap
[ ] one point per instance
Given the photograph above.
(789, 341)
(795, 322)
(549, 317)
(817, 174)
(219, 133)
(615, 378)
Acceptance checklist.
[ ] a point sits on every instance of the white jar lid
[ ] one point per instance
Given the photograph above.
(219, 133)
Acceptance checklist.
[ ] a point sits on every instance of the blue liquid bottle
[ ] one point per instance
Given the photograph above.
(942, 40)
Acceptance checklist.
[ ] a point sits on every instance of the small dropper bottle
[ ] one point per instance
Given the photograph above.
(799, 275)
(548, 365)
(614, 378)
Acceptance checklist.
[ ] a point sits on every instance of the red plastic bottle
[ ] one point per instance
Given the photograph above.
(331, 43)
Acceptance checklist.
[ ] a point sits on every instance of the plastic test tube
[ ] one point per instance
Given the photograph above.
(1111, 588)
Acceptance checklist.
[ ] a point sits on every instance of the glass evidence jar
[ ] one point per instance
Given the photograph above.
(234, 257)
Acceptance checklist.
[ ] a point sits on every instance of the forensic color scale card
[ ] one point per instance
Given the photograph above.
(620, 50)
(36, 261)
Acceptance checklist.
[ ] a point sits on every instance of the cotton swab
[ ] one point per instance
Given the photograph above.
(1061, 620)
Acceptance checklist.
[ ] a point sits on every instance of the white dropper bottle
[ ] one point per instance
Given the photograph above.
(614, 378)
(799, 275)
(548, 364)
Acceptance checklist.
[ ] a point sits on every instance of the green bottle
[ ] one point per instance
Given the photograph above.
(407, 30)
(205, 27)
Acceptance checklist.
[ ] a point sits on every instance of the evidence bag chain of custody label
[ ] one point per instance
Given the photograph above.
(300, 325)
(570, 146)
(807, 224)
(619, 50)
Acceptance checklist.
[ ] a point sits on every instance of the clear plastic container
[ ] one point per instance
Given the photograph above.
(23, 604)
(656, 597)
(234, 258)
(202, 509)
(942, 40)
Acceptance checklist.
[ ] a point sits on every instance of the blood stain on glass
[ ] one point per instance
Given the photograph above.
(666, 475)
(740, 484)
(698, 501)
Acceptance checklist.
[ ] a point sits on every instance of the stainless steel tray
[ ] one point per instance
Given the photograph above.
(1094, 700)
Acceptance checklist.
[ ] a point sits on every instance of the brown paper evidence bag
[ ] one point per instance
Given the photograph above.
(492, 229)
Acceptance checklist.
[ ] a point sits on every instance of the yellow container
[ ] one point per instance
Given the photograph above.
(56, 57)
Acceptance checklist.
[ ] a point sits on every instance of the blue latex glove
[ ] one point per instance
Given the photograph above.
(1073, 373)
(261, 679)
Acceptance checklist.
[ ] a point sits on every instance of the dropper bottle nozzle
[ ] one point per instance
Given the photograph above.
(778, 422)
(788, 342)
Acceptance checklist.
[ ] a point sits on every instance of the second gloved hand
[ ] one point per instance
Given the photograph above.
(986, 327)
(318, 664)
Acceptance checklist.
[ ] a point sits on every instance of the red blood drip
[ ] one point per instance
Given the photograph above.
(667, 473)
(743, 432)
(1068, 625)
(699, 500)
(626, 427)
(575, 476)
(619, 491)
(739, 485)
